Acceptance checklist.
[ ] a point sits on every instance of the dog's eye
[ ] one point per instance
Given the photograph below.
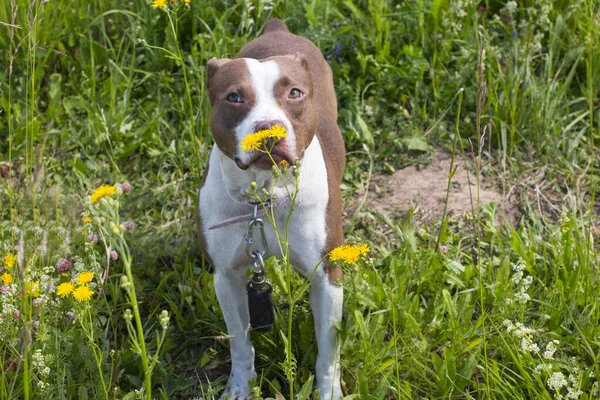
(295, 94)
(234, 98)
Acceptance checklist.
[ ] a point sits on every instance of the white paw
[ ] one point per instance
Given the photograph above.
(234, 392)
(330, 391)
(237, 388)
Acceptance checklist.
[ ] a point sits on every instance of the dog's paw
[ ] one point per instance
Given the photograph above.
(234, 392)
(332, 395)
(237, 389)
(330, 391)
(234, 395)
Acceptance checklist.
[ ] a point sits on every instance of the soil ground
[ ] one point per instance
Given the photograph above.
(424, 187)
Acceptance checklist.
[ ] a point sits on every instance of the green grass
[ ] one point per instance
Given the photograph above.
(102, 92)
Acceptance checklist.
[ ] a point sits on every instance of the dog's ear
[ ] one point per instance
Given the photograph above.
(213, 66)
(301, 58)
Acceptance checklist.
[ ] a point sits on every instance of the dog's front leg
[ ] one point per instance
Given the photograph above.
(230, 286)
(326, 300)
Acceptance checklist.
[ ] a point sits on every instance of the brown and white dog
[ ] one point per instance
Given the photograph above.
(277, 79)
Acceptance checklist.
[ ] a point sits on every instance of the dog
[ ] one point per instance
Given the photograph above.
(276, 79)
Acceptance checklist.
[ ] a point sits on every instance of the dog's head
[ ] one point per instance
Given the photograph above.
(248, 95)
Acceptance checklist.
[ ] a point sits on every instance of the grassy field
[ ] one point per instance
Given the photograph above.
(110, 299)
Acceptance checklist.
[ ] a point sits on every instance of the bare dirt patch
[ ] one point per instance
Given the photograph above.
(425, 188)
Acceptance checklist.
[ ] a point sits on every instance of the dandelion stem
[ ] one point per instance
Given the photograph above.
(140, 340)
(95, 349)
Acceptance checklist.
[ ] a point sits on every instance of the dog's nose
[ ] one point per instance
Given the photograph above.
(262, 125)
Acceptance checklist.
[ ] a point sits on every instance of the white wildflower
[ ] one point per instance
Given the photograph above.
(79, 266)
(516, 278)
(519, 266)
(511, 6)
(550, 350)
(522, 283)
(525, 334)
(44, 279)
(522, 297)
(39, 362)
(528, 345)
(509, 325)
(557, 381)
(536, 46)
(522, 330)
(8, 309)
(573, 393)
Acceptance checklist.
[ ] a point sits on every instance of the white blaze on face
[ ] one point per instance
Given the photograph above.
(264, 77)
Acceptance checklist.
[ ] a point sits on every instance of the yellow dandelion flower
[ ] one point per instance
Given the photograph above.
(186, 1)
(283, 164)
(103, 191)
(64, 289)
(254, 140)
(277, 131)
(349, 254)
(6, 278)
(363, 249)
(33, 288)
(9, 260)
(83, 293)
(85, 218)
(159, 3)
(85, 277)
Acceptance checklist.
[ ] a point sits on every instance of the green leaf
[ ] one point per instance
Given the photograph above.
(130, 396)
(82, 392)
(385, 365)
(365, 132)
(304, 393)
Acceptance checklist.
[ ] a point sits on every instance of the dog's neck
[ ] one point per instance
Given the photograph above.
(237, 181)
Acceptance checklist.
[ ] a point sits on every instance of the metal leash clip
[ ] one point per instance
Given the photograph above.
(249, 238)
(260, 302)
(258, 280)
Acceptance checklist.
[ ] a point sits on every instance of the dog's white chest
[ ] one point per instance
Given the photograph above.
(306, 227)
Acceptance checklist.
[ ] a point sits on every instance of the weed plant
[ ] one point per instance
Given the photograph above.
(98, 92)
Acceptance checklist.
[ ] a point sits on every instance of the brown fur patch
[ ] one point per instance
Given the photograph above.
(334, 153)
(302, 112)
(334, 274)
(275, 24)
(230, 76)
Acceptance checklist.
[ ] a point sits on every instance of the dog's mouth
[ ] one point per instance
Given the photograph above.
(263, 161)
(278, 155)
